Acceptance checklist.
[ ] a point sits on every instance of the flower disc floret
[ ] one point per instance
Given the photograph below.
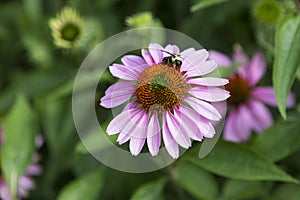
(239, 90)
(160, 88)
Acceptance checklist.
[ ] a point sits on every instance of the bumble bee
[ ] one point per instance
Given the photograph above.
(173, 60)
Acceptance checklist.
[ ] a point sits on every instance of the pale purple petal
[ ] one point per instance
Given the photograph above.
(187, 126)
(244, 122)
(261, 115)
(220, 59)
(153, 135)
(239, 124)
(291, 100)
(239, 56)
(169, 142)
(230, 133)
(133, 61)
(124, 72)
(117, 94)
(181, 138)
(212, 94)
(136, 145)
(208, 81)
(4, 191)
(22, 192)
(130, 105)
(26, 183)
(139, 135)
(120, 86)
(156, 53)
(173, 49)
(194, 60)
(119, 122)
(257, 68)
(204, 125)
(243, 72)
(203, 108)
(141, 127)
(202, 69)
(221, 107)
(148, 58)
(123, 137)
(109, 101)
(187, 52)
(34, 170)
(133, 69)
(134, 126)
(266, 94)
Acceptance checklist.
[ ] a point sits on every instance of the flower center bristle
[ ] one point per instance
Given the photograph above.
(239, 90)
(70, 32)
(159, 88)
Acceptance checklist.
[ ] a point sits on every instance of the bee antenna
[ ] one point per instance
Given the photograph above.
(167, 52)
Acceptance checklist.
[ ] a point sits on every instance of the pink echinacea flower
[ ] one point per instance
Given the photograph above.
(247, 109)
(163, 99)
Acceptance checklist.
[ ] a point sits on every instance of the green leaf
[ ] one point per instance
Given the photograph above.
(296, 195)
(91, 141)
(19, 128)
(58, 124)
(286, 191)
(238, 161)
(32, 84)
(84, 163)
(238, 190)
(58, 127)
(38, 50)
(280, 140)
(93, 144)
(206, 3)
(196, 181)
(87, 187)
(287, 58)
(298, 73)
(149, 191)
(33, 10)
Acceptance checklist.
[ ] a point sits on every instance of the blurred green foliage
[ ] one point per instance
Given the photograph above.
(40, 76)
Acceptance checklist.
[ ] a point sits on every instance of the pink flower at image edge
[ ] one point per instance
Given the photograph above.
(248, 101)
(25, 182)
